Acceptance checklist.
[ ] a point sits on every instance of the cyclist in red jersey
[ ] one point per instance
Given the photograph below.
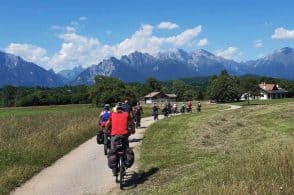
(119, 123)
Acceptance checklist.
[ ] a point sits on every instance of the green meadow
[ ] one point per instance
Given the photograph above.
(245, 151)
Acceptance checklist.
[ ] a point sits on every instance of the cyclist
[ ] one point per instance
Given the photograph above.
(104, 115)
(165, 110)
(183, 107)
(189, 106)
(175, 108)
(169, 108)
(199, 107)
(138, 111)
(128, 108)
(155, 111)
(119, 122)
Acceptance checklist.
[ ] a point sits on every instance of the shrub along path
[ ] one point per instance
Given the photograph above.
(83, 171)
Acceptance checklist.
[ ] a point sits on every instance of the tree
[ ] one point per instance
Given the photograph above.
(9, 95)
(153, 84)
(178, 87)
(224, 88)
(189, 94)
(200, 95)
(249, 85)
(109, 90)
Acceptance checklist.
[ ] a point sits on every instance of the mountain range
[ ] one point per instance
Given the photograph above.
(70, 74)
(18, 72)
(138, 66)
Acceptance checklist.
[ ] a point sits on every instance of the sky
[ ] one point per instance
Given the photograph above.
(63, 34)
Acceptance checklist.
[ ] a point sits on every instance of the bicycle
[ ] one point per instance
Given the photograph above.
(121, 151)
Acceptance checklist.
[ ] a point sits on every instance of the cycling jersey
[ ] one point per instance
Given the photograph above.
(119, 122)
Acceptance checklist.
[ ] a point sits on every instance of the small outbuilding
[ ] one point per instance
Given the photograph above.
(156, 97)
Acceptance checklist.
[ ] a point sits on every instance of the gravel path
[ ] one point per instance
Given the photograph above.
(232, 107)
(82, 171)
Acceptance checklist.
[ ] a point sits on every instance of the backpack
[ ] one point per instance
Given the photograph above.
(127, 108)
(138, 110)
(112, 159)
(100, 137)
(105, 116)
(129, 158)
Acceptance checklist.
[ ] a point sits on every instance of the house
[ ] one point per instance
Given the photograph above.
(172, 97)
(155, 97)
(271, 91)
(244, 97)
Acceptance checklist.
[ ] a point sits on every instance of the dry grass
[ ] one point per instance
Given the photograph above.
(28, 143)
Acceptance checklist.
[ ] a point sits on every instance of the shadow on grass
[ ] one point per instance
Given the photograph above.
(133, 178)
(136, 140)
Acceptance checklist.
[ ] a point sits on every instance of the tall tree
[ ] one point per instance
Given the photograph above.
(109, 90)
(224, 88)
(153, 84)
(249, 85)
(179, 88)
(9, 95)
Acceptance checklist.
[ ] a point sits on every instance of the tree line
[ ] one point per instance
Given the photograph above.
(40, 96)
(228, 88)
(221, 88)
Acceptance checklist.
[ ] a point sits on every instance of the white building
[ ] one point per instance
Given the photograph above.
(271, 91)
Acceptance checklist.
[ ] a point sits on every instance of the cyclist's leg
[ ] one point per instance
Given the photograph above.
(112, 147)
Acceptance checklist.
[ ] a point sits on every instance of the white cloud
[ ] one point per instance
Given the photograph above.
(184, 37)
(258, 44)
(228, 53)
(82, 18)
(202, 42)
(282, 33)
(30, 53)
(167, 25)
(70, 29)
(77, 49)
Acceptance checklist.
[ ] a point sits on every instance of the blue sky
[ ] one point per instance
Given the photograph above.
(62, 34)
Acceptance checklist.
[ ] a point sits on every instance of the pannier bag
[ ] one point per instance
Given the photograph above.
(112, 159)
(129, 158)
(100, 137)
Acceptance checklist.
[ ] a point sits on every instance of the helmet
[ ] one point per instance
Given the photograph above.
(119, 106)
(106, 107)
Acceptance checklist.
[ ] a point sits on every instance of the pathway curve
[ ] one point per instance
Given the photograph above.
(82, 171)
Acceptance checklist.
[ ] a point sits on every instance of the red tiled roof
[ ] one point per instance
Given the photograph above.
(268, 87)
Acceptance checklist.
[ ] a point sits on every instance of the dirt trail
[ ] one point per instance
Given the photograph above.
(232, 107)
(82, 171)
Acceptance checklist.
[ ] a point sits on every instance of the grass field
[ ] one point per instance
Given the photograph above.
(245, 151)
(32, 138)
(28, 111)
(264, 102)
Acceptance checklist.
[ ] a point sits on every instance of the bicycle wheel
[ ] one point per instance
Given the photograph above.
(121, 172)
